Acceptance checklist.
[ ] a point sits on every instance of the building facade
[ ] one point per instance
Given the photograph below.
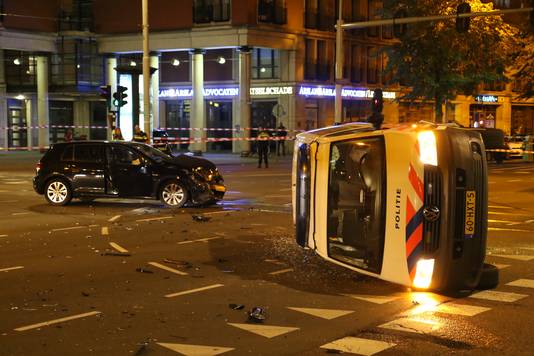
(219, 68)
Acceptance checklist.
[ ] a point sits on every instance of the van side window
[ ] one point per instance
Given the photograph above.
(88, 153)
(121, 155)
(68, 153)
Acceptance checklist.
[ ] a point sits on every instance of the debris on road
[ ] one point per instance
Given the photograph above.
(178, 263)
(236, 306)
(200, 218)
(144, 270)
(85, 294)
(256, 314)
(116, 253)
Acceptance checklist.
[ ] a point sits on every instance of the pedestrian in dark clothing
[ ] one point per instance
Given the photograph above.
(281, 143)
(263, 147)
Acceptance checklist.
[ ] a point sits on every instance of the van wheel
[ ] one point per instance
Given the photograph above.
(489, 278)
(57, 192)
(173, 194)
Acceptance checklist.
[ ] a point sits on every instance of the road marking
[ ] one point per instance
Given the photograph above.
(11, 268)
(503, 213)
(118, 248)
(115, 218)
(199, 240)
(525, 283)
(3, 235)
(516, 257)
(56, 321)
(105, 230)
(514, 180)
(268, 331)
(25, 213)
(412, 325)
(497, 296)
(376, 299)
(499, 207)
(327, 314)
(358, 346)
(158, 265)
(502, 221)
(277, 196)
(461, 309)
(281, 271)
(504, 229)
(195, 350)
(154, 219)
(74, 228)
(193, 290)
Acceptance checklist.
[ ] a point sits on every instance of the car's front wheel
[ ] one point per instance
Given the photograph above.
(57, 192)
(173, 194)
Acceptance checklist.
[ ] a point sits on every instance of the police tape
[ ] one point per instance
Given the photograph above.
(37, 127)
(177, 141)
(504, 150)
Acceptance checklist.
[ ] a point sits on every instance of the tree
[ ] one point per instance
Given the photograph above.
(522, 69)
(436, 63)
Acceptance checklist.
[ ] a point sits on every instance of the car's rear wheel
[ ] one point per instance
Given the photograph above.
(58, 192)
(173, 194)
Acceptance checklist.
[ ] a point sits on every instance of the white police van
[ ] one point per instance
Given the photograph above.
(406, 204)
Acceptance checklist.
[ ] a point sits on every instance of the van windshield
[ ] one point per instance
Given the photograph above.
(356, 201)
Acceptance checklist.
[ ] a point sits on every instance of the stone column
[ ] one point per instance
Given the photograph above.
(244, 116)
(3, 104)
(154, 85)
(42, 101)
(111, 80)
(29, 121)
(198, 108)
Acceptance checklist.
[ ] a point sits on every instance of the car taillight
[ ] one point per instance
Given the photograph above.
(38, 167)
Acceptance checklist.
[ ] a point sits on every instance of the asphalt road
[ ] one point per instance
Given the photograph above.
(66, 287)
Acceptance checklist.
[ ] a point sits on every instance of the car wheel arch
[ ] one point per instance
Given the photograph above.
(171, 178)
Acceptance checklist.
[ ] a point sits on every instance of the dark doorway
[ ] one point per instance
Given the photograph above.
(219, 116)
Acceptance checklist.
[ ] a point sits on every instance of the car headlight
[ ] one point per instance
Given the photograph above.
(423, 273)
(428, 153)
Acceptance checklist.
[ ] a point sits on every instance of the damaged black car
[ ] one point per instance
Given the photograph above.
(97, 169)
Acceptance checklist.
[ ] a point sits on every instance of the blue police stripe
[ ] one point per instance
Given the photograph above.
(415, 221)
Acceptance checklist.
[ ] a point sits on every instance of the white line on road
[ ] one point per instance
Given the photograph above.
(220, 212)
(11, 268)
(56, 321)
(502, 213)
(158, 265)
(115, 218)
(199, 240)
(194, 290)
(513, 180)
(499, 207)
(525, 283)
(281, 271)
(154, 219)
(26, 213)
(105, 230)
(73, 228)
(118, 248)
(513, 230)
(3, 235)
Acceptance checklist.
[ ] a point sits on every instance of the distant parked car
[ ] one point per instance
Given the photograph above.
(517, 144)
(493, 139)
(100, 169)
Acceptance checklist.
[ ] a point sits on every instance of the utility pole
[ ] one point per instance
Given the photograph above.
(146, 72)
(338, 109)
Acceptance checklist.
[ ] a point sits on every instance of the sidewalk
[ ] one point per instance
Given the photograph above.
(26, 160)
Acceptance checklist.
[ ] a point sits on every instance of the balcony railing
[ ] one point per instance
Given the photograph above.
(272, 12)
(317, 21)
(218, 12)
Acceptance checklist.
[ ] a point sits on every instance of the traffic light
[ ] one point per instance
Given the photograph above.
(119, 96)
(462, 23)
(105, 92)
(399, 29)
(377, 104)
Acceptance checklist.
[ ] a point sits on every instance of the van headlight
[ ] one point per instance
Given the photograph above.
(423, 273)
(428, 153)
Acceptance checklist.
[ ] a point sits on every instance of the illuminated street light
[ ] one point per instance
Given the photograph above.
(20, 97)
(175, 62)
(16, 61)
(133, 64)
(263, 70)
(221, 60)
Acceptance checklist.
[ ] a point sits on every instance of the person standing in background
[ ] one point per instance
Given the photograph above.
(263, 147)
(281, 143)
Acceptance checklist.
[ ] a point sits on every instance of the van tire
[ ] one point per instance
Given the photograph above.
(489, 278)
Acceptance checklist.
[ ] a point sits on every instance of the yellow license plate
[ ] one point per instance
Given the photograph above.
(470, 204)
(219, 188)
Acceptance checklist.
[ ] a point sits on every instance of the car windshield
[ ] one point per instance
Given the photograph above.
(151, 152)
(356, 200)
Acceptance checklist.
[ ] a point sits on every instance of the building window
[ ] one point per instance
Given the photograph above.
(20, 68)
(272, 11)
(494, 86)
(320, 15)
(174, 67)
(77, 63)
(317, 66)
(2, 14)
(374, 8)
(357, 64)
(502, 4)
(373, 65)
(206, 11)
(265, 63)
(77, 17)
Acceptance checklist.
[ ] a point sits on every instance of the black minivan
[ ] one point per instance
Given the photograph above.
(99, 169)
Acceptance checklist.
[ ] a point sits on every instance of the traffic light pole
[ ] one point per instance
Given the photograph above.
(338, 108)
(146, 72)
(406, 20)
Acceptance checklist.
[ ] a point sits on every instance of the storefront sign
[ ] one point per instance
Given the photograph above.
(345, 92)
(487, 98)
(224, 92)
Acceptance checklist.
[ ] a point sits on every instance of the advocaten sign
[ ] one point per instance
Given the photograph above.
(345, 92)
(224, 92)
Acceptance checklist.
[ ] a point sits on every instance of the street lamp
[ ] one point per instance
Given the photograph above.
(338, 108)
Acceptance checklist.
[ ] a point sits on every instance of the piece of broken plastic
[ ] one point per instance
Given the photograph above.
(143, 270)
(256, 314)
(200, 218)
(236, 306)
